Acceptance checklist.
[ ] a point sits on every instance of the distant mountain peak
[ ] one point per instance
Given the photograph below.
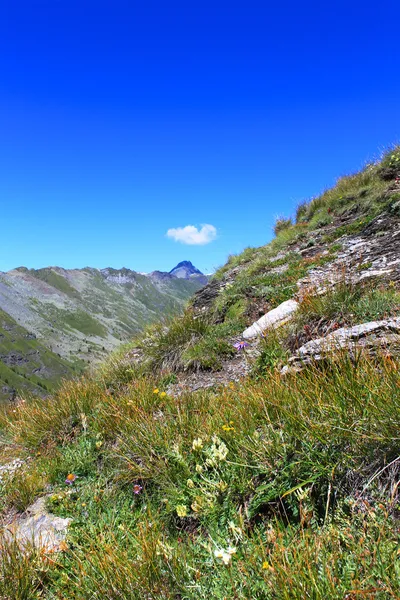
(186, 270)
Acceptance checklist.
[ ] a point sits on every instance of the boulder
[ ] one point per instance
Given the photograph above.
(274, 318)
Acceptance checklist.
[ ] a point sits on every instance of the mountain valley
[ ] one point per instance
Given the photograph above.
(55, 321)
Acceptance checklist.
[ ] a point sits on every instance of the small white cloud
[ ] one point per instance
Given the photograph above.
(192, 235)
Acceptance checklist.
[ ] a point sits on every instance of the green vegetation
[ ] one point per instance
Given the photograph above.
(187, 342)
(26, 364)
(278, 488)
(351, 304)
(282, 223)
(55, 280)
(85, 323)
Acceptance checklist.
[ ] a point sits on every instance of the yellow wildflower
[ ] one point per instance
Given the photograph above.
(156, 391)
(190, 483)
(163, 394)
(181, 510)
(228, 428)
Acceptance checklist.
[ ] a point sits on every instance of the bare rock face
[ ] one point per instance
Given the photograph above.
(275, 317)
(38, 528)
(370, 336)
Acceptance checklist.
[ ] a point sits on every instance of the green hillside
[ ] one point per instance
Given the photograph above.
(223, 455)
(26, 365)
(75, 318)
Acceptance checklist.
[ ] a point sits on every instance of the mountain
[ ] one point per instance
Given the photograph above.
(54, 321)
(185, 270)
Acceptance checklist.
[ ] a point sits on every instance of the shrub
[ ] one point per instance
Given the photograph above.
(282, 223)
(164, 344)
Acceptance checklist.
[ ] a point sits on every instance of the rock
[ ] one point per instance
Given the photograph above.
(275, 317)
(368, 336)
(38, 528)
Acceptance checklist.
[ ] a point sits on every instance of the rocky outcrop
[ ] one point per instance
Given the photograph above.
(274, 318)
(372, 336)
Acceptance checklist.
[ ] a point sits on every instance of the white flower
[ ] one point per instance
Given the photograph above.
(225, 555)
(197, 444)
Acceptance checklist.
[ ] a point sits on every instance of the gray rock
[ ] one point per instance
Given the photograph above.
(38, 528)
(371, 335)
(275, 317)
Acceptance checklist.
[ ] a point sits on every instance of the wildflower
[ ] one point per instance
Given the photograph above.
(240, 345)
(197, 444)
(196, 505)
(228, 428)
(225, 555)
(163, 394)
(71, 478)
(218, 450)
(190, 483)
(137, 489)
(156, 391)
(99, 444)
(265, 564)
(181, 510)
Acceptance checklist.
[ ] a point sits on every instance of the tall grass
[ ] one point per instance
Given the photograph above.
(298, 475)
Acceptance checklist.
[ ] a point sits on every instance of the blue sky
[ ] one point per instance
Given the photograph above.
(122, 120)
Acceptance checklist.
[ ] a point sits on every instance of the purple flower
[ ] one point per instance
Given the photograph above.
(70, 479)
(137, 489)
(240, 345)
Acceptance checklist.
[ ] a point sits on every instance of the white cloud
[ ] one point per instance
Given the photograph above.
(192, 235)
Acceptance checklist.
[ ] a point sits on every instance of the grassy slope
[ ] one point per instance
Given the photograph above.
(275, 488)
(82, 326)
(39, 369)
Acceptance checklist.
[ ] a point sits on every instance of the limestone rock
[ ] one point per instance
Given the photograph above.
(368, 336)
(38, 528)
(275, 317)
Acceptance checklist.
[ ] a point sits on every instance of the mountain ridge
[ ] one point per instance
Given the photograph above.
(80, 315)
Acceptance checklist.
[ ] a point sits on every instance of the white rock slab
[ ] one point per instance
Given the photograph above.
(275, 317)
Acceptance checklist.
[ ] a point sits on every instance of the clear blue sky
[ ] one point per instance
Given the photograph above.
(121, 120)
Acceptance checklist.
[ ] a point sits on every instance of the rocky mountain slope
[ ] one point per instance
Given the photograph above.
(336, 266)
(247, 448)
(55, 321)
